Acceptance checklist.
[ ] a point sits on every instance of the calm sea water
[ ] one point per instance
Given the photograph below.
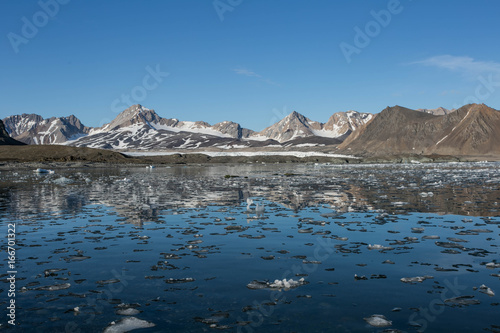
(198, 248)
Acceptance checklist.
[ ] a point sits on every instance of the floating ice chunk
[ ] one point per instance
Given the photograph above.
(462, 300)
(431, 237)
(62, 181)
(110, 281)
(378, 321)
(492, 265)
(55, 287)
(127, 312)
(486, 290)
(277, 284)
(40, 170)
(450, 245)
(416, 279)
(379, 247)
(181, 280)
(128, 324)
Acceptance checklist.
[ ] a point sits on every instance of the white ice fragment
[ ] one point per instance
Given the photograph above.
(62, 181)
(378, 247)
(277, 284)
(486, 290)
(40, 170)
(416, 279)
(127, 312)
(378, 321)
(492, 265)
(127, 324)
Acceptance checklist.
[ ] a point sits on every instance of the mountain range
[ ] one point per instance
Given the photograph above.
(473, 129)
(141, 128)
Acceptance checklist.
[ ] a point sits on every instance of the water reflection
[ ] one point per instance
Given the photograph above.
(141, 195)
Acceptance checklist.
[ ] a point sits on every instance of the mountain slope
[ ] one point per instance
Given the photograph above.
(5, 139)
(472, 129)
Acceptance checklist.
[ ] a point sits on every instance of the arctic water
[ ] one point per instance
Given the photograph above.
(253, 248)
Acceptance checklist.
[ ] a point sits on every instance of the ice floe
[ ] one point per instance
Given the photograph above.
(128, 324)
(416, 279)
(377, 320)
(277, 284)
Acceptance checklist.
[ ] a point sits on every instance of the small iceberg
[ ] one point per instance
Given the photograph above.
(462, 300)
(379, 247)
(486, 290)
(62, 181)
(40, 170)
(378, 321)
(128, 324)
(277, 284)
(55, 287)
(416, 279)
(127, 312)
(492, 265)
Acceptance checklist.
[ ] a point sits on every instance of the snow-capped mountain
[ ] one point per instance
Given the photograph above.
(440, 111)
(141, 128)
(296, 125)
(33, 129)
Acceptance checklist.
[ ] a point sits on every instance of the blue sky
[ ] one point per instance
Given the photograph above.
(249, 61)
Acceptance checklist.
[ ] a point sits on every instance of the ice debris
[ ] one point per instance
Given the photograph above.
(379, 247)
(486, 290)
(416, 279)
(40, 170)
(128, 324)
(277, 284)
(378, 321)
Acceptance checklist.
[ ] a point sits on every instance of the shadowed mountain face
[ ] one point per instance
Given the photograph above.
(5, 139)
(471, 130)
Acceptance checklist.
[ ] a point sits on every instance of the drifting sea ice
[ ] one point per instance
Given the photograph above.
(277, 284)
(416, 279)
(486, 290)
(127, 325)
(378, 320)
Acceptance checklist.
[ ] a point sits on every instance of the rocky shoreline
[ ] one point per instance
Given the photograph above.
(29, 157)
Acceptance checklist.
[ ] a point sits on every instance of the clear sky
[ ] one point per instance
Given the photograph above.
(249, 61)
